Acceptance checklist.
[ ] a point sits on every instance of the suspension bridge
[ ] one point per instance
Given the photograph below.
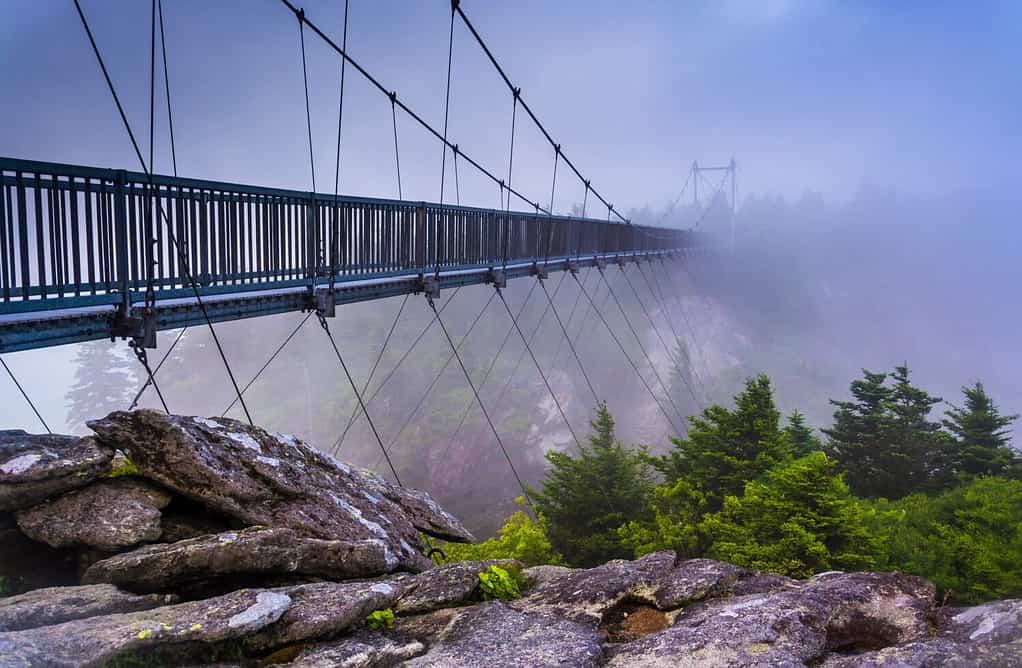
(89, 253)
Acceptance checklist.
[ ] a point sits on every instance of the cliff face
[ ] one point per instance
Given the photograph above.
(191, 541)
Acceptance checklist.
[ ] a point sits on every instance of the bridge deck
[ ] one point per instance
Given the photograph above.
(79, 243)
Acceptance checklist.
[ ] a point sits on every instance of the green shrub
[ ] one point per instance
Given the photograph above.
(521, 538)
(381, 620)
(497, 583)
(127, 467)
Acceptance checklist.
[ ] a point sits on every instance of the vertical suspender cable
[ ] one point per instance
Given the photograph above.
(150, 380)
(170, 234)
(308, 114)
(397, 154)
(510, 164)
(443, 158)
(335, 238)
(25, 394)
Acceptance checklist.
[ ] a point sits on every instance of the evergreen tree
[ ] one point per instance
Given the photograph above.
(105, 381)
(586, 497)
(798, 520)
(883, 440)
(725, 448)
(981, 435)
(681, 380)
(965, 539)
(801, 437)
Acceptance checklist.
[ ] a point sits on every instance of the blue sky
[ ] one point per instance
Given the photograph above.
(807, 95)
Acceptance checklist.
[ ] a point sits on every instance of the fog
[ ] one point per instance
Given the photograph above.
(877, 220)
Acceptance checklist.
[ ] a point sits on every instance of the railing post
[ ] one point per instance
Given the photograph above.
(420, 236)
(121, 238)
(312, 239)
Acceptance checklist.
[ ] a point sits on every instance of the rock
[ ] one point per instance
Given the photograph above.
(364, 649)
(55, 605)
(496, 635)
(276, 480)
(97, 640)
(34, 467)
(789, 627)
(445, 586)
(26, 564)
(697, 579)
(183, 526)
(253, 551)
(108, 515)
(984, 635)
(537, 576)
(586, 594)
(322, 610)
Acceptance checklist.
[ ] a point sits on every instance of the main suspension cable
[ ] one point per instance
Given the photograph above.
(620, 345)
(375, 82)
(25, 394)
(436, 378)
(574, 352)
(642, 349)
(482, 406)
(528, 110)
(670, 321)
(183, 260)
(358, 395)
(269, 361)
(486, 376)
(546, 382)
(336, 447)
(379, 356)
(656, 331)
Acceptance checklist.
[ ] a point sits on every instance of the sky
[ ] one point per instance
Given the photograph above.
(829, 97)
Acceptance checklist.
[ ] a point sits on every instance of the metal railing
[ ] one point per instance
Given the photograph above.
(77, 236)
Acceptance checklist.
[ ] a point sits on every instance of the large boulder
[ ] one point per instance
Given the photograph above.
(107, 515)
(789, 626)
(249, 552)
(55, 605)
(34, 467)
(275, 480)
(97, 640)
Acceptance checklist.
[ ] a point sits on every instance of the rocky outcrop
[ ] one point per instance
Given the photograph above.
(253, 551)
(45, 607)
(34, 467)
(108, 515)
(283, 555)
(275, 480)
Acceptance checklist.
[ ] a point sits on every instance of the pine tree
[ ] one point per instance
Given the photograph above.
(725, 448)
(682, 378)
(798, 520)
(586, 497)
(801, 437)
(105, 381)
(981, 435)
(884, 442)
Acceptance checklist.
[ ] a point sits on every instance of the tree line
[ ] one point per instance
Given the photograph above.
(885, 487)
